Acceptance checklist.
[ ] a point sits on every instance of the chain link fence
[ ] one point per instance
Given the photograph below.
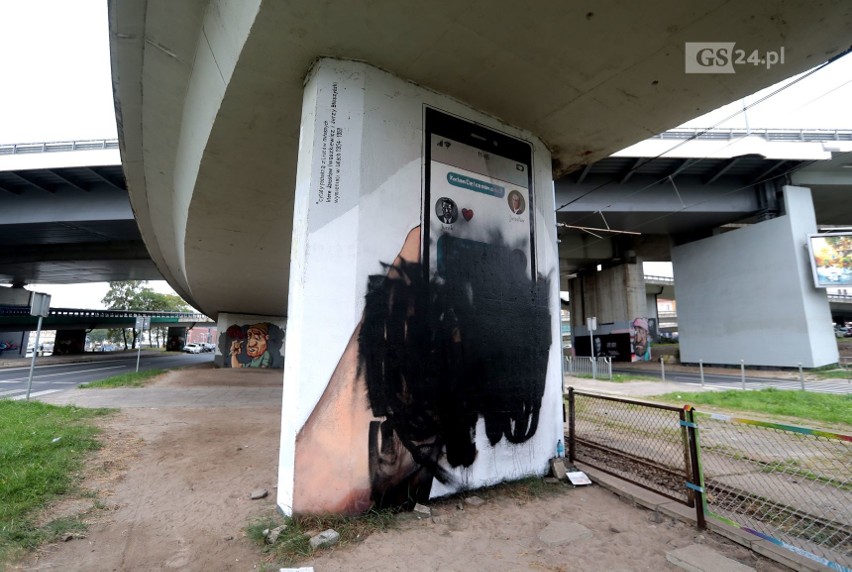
(645, 443)
(598, 368)
(789, 485)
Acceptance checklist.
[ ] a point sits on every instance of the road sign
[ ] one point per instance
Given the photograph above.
(40, 304)
(592, 323)
(143, 323)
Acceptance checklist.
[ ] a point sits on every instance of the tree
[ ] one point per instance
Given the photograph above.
(134, 295)
(157, 302)
(124, 295)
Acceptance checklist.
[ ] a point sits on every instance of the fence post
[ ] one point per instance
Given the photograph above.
(663, 368)
(701, 370)
(801, 376)
(697, 469)
(571, 431)
(742, 372)
(609, 364)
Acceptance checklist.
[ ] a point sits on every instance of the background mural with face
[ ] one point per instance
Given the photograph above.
(256, 345)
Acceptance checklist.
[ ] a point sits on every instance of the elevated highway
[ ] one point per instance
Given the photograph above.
(18, 318)
(210, 100)
(65, 216)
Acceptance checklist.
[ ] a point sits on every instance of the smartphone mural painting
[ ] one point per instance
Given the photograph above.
(446, 378)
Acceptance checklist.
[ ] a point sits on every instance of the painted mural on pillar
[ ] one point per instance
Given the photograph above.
(431, 362)
(641, 340)
(255, 345)
(422, 323)
(8, 345)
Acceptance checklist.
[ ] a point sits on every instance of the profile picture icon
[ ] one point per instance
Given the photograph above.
(516, 202)
(446, 210)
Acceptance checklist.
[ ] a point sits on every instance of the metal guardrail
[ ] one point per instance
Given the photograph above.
(786, 484)
(792, 135)
(600, 367)
(648, 444)
(58, 146)
(658, 279)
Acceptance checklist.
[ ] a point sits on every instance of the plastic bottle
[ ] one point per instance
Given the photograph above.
(560, 449)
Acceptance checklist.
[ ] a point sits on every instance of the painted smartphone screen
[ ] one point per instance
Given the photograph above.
(478, 207)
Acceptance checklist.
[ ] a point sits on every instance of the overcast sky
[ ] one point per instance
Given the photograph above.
(56, 87)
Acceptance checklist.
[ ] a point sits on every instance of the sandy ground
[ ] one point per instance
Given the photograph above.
(174, 484)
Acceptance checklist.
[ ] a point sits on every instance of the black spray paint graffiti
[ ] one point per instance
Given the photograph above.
(252, 345)
(439, 353)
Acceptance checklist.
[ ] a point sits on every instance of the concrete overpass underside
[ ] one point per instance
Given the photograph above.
(69, 225)
(209, 104)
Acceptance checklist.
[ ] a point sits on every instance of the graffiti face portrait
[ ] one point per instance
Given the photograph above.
(640, 338)
(256, 341)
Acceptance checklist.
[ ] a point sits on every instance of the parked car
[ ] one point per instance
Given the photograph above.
(209, 347)
(193, 348)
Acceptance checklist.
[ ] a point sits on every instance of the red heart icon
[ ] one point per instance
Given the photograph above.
(467, 214)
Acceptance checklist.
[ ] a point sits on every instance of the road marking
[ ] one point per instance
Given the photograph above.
(35, 394)
(70, 363)
(76, 371)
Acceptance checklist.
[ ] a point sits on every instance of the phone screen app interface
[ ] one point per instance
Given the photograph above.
(478, 199)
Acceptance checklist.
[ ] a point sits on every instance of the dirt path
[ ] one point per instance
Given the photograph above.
(174, 483)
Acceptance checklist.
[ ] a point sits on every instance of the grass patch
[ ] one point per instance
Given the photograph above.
(134, 379)
(42, 449)
(826, 407)
(293, 544)
(831, 373)
(617, 377)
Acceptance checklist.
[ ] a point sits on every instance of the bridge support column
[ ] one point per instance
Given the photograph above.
(616, 297)
(175, 339)
(15, 296)
(612, 294)
(378, 358)
(13, 344)
(69, 342)
(749, 294)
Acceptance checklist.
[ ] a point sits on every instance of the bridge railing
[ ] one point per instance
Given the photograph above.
(793, 135)
(82, 313)
(58, 146)
(659, 279)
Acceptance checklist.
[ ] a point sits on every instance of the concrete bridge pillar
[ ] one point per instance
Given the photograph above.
(175, 339)
(14, 296)
(422, 350)
(612, 294)
(749, 294)
(69, 342)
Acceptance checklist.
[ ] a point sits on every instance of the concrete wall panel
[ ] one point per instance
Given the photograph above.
(748, 294)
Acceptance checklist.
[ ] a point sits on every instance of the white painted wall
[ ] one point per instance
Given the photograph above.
(749, 295)
(338, 244)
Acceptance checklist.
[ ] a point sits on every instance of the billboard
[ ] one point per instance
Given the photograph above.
(831, 259)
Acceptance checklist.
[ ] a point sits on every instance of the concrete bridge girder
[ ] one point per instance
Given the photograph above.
(210, 94)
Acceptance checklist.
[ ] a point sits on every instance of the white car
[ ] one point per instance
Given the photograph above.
(193, 348)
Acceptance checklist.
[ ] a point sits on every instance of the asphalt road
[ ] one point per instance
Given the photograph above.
(49, 379)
